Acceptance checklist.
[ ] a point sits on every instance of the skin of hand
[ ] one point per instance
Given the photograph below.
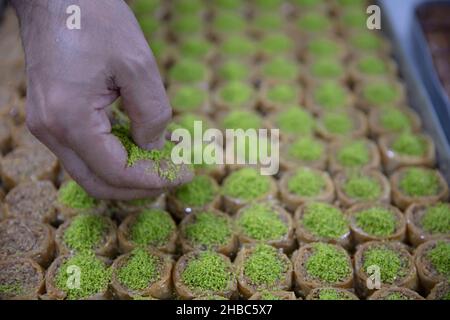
(74, 75)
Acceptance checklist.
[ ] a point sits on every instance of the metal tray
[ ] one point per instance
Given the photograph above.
(399, 23)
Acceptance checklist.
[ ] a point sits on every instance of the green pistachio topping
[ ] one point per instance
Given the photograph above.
(323, 47)
(276, 43)
(306, 183)
(242, 120)
(195, 47)
(199, 192)
(366, 41)
(353, 154)
(140, 270)
(264, 266)
(145, 6)
(409, 144)
(207, 272)
(152, 227)
(436, 218)
(283, 93)
(188, 98)
(296, 121)
(187, 121)
(362, 187)
(161, 159)
(188, 71)
(439, 257)
(328, 264)
(419, 182)
(337, 123)
(394, 119)
(396, 296)
(280, 68)
(327, 68)
(228, 22)
(268, 22)
(333, 294)
(330, 95)
(372, 65)
(187, 6)
(262, 222)
(388, 260)
(376, 221)
(246, 184)
(380, 93)
(85, 232)
(95, 276)
(355, 18)
(209, 229)
(306, 149)
(314, 22)
(236, 45)
(324, 220)
(187, 24)
(233, 70)
(236, 93)
(74, 196)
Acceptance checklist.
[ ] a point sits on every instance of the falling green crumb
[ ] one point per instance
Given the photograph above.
(264, 266)
(328, 264)
(152, 227)
(260, 221)
(324, 220)
(376, 221)
(209, 229)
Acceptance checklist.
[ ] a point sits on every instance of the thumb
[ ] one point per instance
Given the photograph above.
(145, 102)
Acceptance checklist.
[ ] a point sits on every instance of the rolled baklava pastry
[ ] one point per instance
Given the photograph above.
(395, 293)
(200, 273)
(275, 44)
(371, 66)
(153, 228)
(28, 163)
(327, 46)
(275, 97)
(20, 279)
(417, 185)
(273, 295)
(262, 267)
(441, 291)
(317, 221)
(355, 154)
(198, 195)
(427, 222)
(324, 69)
(278, 69)
(26, 238)
(87, 232)
(320, 265)
(208, 230)
(188, 71)
(390, 261)
(292, 121)
(265, 222)
(244, 186)
(363, 186)
(189, 98)
(330, 293)
(305, 185)
(82, 276)
(72, 200)
(431, 259)
(235, 95)
(406, 149)
(32, 200)
(381, 92)
(232, 70)
(329, 96)
(376, 222)
(142, 273)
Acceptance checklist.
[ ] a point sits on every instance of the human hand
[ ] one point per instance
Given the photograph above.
(73, 75)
